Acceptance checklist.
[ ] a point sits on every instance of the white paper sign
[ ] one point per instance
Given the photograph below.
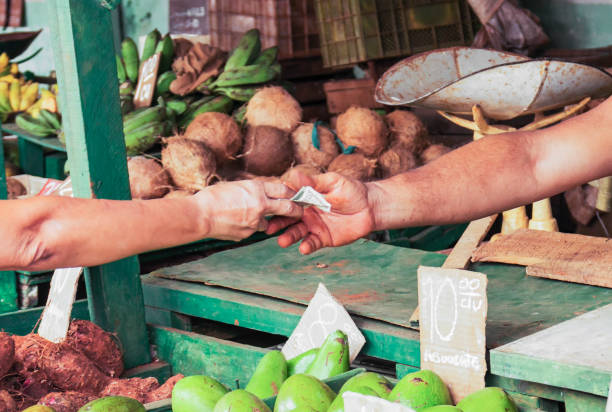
(609, 403)
(323, 316)
(56, 315)
(356, 402)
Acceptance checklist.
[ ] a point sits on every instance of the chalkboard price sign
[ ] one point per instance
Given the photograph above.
(189, 17)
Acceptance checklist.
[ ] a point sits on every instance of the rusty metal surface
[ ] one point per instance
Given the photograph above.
(505, 85)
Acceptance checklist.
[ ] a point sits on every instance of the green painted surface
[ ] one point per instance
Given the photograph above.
(527, 403)
(161, 317)
(403, 370)
(159, 370)
(23, 322)
(140, 17)
(89, 94)
(583, 402)
(47, 142)
(8, 282)
(54, 165)
(31, 158)
(526, 387)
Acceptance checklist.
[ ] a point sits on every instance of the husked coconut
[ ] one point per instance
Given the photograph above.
(219, 132)
(267, 151)
(364, 129)
(305, 151)
(190, 163)
(305, 169)
(273, 106)
(148, 179)
(395, 160)
(355, 165)
(433, 152)
(406, 128)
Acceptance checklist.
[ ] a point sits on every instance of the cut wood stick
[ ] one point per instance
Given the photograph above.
(56, 315)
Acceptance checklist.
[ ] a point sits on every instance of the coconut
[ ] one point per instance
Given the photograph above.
(395, 160)
(433, 152)
(148, 179)
(15, 188)
(273, 106)
(97, 344)
(7, 353)
(355, 166)
(307, 170)
(135, 388)
(306, 153)
(267, 151)
(364, 129)
(190, 163)
(177, 194)
(219, 132)
(69, 401)
(164, 391)
(406, 128)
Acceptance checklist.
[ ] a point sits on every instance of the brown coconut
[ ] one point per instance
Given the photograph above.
(364, 129)
(136, 388)
(433, 152)
(267, 151)
(7, 353)
(306, 153)
(97, 344)
(177, 194)
(219, 132)
(190, 163)
(395, 160)
(69, 401)
(15, 188)
(307, 170)
(7, 403)
(273, 106)
(406, 128)
(148, 179)
(164, 391)
(355, 166)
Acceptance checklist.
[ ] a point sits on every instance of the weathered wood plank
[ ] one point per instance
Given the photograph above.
(89, 93)
(160, 370)
(526, 387)
(23, 322)
(583, 402)
(528, 403)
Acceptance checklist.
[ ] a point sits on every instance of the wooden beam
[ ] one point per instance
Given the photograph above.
(8, 279)
(89, 96)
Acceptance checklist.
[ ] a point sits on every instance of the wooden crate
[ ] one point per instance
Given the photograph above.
(341, 94)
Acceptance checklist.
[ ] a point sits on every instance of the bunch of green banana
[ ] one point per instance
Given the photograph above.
(45, 124)
(143, 127)
(221, 104)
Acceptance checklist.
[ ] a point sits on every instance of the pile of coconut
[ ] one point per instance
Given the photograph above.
(215, 148)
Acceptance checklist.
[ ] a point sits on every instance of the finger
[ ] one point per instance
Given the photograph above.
(279, 223)
(262, 225)
(310, 244)
(283, 207)
(296, 179)
(277, 190)
(293, 234)
(326, 182)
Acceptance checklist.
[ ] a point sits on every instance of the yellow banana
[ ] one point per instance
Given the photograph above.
(54, 89)
(35, 109)
(29, 96)
(14, 69)
(49, 102)
(4, 61)
(5, 104)
(9, 78)
(15, 96)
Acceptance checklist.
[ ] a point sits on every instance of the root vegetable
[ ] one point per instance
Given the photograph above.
(164, 391)
(433, 152)
(406, 128)
(7, 403)
(69, 401)
(267, 151)
(7, 353)
(176, 194)
(355, 166)
(364, 129)
(306, 153)
(135, 388)
(35, 384)
(97, 344)
(219, 132)
(148, 179)
(273, 106)
(307, 170)
(190, 163)
(15, 188)
(395, 160)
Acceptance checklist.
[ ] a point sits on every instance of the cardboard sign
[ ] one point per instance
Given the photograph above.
(323, 316)
(189, 16)
(56, 315)
(147, 80)
(356, 402)
(453, 313)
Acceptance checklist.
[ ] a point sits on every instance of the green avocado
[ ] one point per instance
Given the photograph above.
(420, 390)
(39, 408)
(338, 403)
(300, 363)
(304, 391)
(196, 393)
(442, 408)
(487, 400)
(379, 384)
(240, 401)
(269, 375)
(333, 357)
(113, 404)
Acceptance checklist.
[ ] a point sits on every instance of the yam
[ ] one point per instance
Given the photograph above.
(219, 132)
(395, 160)
(406, 128)
(69, 401)
(307, 170)
(148, 179)
(7, 403)
(275, 107)
(35, 384)
(364, 129)
(433, 152)
(306, 153)
(97, 344)
(135, 388)
(267, 151)
(15, 188)
(164, 391)
(190, 163)
(7, 353)
(354, 166)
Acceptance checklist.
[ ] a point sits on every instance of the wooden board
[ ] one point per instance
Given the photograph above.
(562, 256)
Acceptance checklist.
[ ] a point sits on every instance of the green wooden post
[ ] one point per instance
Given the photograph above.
(89, 100)
(8, 282)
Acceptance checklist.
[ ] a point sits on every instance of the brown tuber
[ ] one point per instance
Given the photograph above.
(219, 132)
(273, 106)
(395, 160)
(148, 180)
(306, 153)
(136, 388)
(406, 128)
(267, 151)
(164, 391)
(190, 163)
(68, 401)
(355, 166)
(433, 152)
(7, 353)
(97, 344)
(7, 403)
(364, 129)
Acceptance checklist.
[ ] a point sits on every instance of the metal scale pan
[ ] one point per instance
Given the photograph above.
(504, 85)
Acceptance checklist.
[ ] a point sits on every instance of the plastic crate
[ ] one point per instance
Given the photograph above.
(353, 31)
(289, 24)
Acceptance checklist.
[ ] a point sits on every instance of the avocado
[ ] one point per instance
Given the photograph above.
(196, 393)
(240, 401)
(338, 403)
(113, 404)
(300, 363)
(333, 357)
(39, 408)
(487, 400)
(269, 375)
(304, 391)
(379, 384)
(420, 390)
(442, 408)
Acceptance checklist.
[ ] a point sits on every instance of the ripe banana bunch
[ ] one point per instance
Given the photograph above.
(46, 124)
(142, 128)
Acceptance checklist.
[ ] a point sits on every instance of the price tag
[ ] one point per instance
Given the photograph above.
(453, 313)
(147, 81)
(56, 315)
(323, 316)
(609, 403)
(356, 402)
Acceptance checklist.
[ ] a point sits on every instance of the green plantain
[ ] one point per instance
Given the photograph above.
(244, 75)
(121, 74)
(150, 45)
(142, 118)
(221, 104)
(166, 48)
(267, 57)
(129, 51)
(247, 50)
